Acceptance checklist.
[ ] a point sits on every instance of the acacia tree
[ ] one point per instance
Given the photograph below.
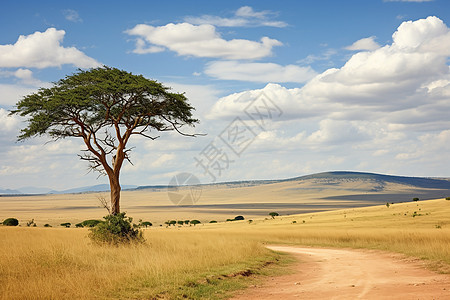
(105, 107)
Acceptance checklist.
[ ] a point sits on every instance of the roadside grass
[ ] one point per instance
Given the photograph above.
(50, 263)
(208, 261)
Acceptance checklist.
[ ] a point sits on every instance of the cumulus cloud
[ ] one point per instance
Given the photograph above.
(43, 50)
(201, 41)
(258, 72)
(364, 44)
(401, 87)
(243, 17)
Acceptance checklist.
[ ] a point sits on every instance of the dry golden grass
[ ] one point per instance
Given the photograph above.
(57, 263)
(38, 263)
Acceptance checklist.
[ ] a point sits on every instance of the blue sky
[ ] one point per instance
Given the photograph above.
(356, 85)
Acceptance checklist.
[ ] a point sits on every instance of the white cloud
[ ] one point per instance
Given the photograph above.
(72, 15)
(396, 97)
(243, 17)
(258, 72)
(201, 41)
(364, 44)
(43, 50)
(8, 123)
(12, 93)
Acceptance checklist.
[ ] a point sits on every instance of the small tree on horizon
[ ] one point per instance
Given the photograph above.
(273, 214)
(104, 107)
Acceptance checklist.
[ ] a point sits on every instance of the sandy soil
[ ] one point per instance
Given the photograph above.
(351, 274)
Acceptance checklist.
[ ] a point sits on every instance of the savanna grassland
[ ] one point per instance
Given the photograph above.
(206, 261)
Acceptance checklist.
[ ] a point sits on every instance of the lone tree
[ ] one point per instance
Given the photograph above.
(273, 214)
(105, 107)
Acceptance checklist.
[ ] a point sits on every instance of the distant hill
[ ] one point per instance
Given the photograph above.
(42, 191)
(420, 182)
(327, 180)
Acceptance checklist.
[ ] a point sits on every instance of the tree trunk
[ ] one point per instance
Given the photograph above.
(115, 193)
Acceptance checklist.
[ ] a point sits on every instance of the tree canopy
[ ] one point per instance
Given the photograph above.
(104, 106)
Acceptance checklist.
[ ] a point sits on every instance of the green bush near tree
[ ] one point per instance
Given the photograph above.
(115, 230)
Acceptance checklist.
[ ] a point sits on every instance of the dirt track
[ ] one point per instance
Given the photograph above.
(351, 274)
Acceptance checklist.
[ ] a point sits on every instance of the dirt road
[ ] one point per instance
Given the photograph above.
(351, 274)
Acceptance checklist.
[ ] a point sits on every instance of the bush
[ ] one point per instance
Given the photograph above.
(146, 224)
(67, 225)
(90, 223)
(448, 198)
(213, 221)
(11, 222)
(416, 199)
(195, 222)
(47, 225)
(231, 220)
(115, 230)
(239, 218)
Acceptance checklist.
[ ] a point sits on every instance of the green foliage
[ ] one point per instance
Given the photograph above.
(146, 224)
(273, 214)
(195, 222)
(186, 222)
(180, 222)
(47, 225)
(67, 225)
(116, 229)
(239, 218)
(172, 222)
(250, 221)
(213, 221)
(11, 222)
(415, 199)
(230, 220)
(89, 223)
(294, 222)
(102, 97)
(387, 204)
(448, 198)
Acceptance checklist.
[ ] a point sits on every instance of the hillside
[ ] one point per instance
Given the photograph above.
(252, 199)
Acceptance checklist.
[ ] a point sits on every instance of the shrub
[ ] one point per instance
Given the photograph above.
(115, 230)
(79, 225)
(250, 221)
(387, 204)
(195, 222)
(90, 223)
(146, 224)
(11, 222)
(230, 220)
(448, 198)
(294, 222)
(47, 225)
(186, 222)
(67, 225)
(173, 222)
(180, 222)
(213, 221)
(239, 218)
(415, 199)
(273, 214)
